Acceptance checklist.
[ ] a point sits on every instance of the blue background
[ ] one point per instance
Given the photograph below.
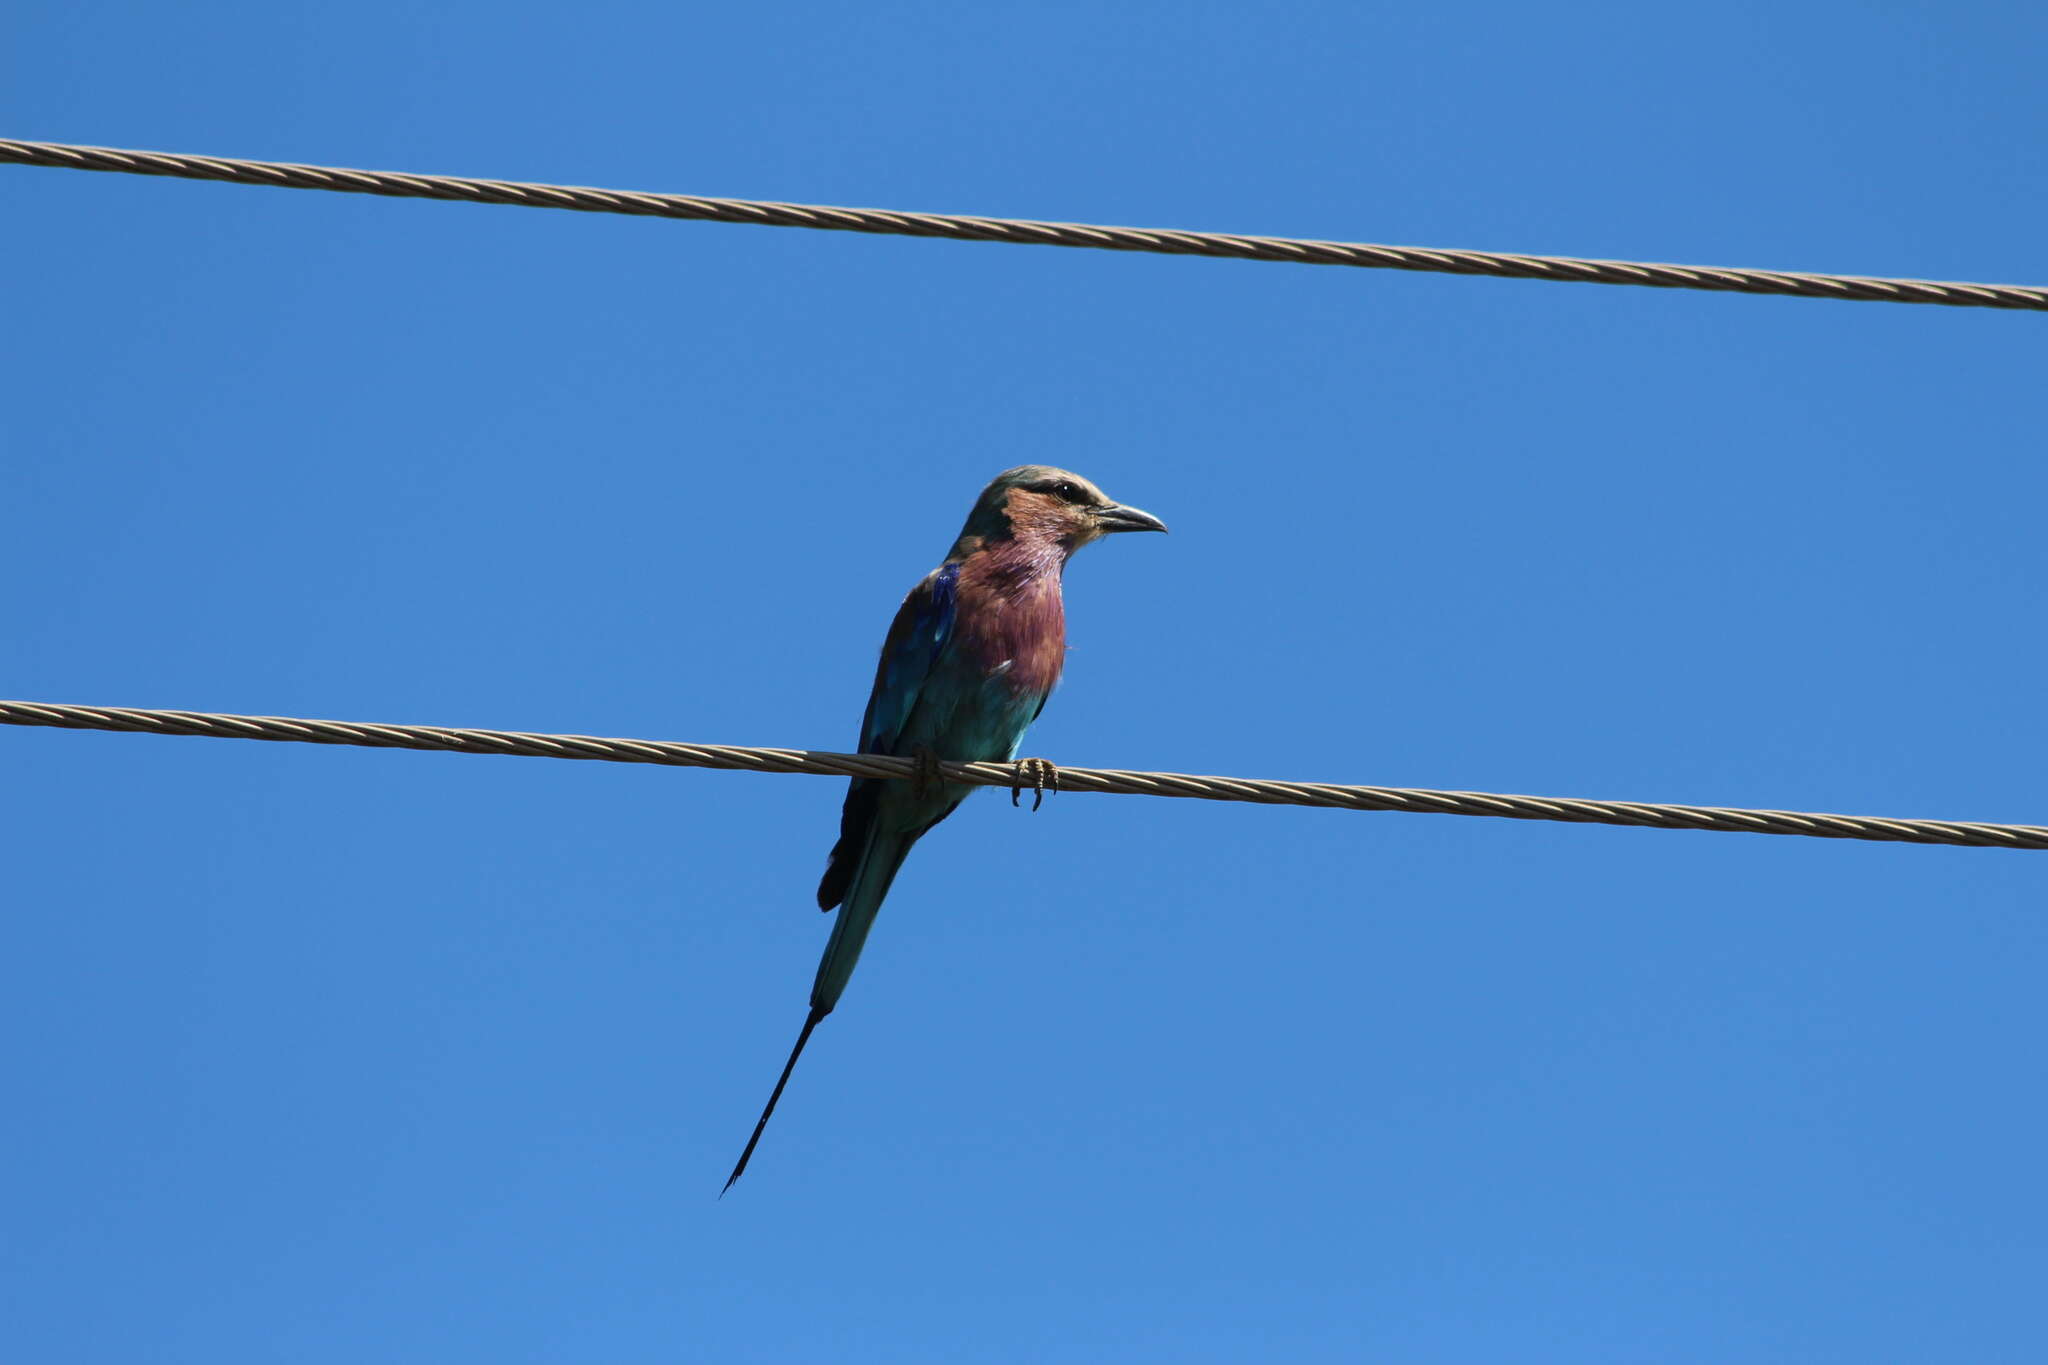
(331, 1055)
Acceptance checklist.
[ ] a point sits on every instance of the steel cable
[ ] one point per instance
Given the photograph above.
(1169, 241)
(1264, 791)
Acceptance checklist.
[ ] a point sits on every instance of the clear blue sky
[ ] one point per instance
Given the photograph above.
(326, 1055)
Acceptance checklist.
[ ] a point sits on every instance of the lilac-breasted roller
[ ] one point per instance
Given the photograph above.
(966, 667)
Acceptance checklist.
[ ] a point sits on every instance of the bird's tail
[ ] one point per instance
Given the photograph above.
(810, 1022)
(870, 883)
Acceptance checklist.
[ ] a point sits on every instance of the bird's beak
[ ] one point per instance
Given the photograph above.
(1117, 517)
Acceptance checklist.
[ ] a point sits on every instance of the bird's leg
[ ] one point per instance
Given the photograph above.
(1042, 776)
(924, 780)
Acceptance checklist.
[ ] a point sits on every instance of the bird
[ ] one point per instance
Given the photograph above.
(966, 667)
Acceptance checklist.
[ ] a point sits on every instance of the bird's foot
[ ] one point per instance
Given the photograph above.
(924, 777)
(1042, 776)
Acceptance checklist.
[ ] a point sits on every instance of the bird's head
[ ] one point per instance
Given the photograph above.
(1038, 502)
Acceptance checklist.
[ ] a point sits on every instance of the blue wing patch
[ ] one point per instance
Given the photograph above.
(920, 631)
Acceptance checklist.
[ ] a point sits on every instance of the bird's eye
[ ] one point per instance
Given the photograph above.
(1066, 492)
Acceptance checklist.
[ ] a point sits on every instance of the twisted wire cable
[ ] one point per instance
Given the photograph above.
(1114, 781)
(1168, 241)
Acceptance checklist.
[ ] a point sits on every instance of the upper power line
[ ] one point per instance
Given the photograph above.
(1167, 241)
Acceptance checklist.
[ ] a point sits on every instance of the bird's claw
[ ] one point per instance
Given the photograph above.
(1042, 776)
